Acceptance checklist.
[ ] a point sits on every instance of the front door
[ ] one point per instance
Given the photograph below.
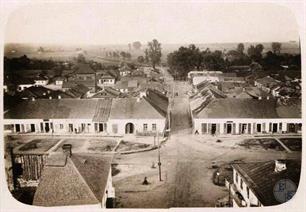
(229, 128)
(32, 127)
(213, 129)
(129, 128)
(17, 127)
(47, 127)
(259, 128)
(274, 127)
(101, 127)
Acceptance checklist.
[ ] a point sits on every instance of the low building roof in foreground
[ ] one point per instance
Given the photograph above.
(261, 178)
(80, 179)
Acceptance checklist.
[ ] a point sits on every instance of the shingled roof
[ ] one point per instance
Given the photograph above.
(54, 109)
(134, 108)
(261, 178)
(78, 180)
(238, 108)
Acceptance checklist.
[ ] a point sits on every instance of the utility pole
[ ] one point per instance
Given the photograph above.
(159, 163)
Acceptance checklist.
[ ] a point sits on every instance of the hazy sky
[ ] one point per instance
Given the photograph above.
(122, 23)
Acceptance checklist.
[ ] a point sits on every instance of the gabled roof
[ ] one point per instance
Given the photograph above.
(261, 178)
(41, 92)
(78, 180)
(107, 92)
(134, 108)
(268, 82)
(78, 91)
(83, 68)
(239, 108)
(158, 100)
(54, 109)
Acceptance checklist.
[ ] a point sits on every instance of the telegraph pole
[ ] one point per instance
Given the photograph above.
(159, 163)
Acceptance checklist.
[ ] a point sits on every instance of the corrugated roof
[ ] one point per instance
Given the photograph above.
(81, 180)
(261, 178)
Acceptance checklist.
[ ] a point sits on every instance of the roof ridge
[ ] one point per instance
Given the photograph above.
(82, 178)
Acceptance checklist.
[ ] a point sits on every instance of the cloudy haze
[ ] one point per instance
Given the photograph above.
(121, 23)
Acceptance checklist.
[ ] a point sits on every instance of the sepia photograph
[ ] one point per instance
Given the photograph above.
(153, 105)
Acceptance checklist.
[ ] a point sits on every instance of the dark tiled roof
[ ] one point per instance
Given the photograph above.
(83, 68)
(158, 100)
(261, 178)
(81, 180)
(41, 92)
(239, 108)
(268, 82)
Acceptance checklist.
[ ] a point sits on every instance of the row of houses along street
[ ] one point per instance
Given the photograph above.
(211, 128)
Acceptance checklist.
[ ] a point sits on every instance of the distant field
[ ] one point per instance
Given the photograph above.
(67, 52)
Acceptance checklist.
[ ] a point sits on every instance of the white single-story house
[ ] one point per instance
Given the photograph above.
(106, 116)
(106, 80)
(217, 116)
(76, 179)
(41, 80)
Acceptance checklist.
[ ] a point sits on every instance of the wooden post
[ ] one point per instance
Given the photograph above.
(13, 168)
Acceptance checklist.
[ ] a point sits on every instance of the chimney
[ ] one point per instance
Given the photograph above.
(142, 94)
(59, 97)
(259, 98)
(280, 165)
(33, 99)
(50, 97)
(138, 99)
(268, 97)
(67, 149)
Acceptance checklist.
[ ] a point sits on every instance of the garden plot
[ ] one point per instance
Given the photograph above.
(101, 145)
(262, 144)
(294, 144)
(130, 146)
(78, 145)
(38, 146)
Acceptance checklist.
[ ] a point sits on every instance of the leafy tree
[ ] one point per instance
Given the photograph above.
(276, 47)
(240, 48)
(81, 58)
(154, 52)
(147, 60)
(136, 45)
(123, 54)
(255, 52)
(140, 59)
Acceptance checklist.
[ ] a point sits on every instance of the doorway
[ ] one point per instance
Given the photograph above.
(47, 127)
(228, 128)
(129, 128)
(258, 126)
(213, 129)
(244, 129)
(32, 127)
(274, 127)
(17, 127)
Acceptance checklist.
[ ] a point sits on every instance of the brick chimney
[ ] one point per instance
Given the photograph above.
(67, 149)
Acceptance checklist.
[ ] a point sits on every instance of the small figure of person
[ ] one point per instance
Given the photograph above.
(145, 181)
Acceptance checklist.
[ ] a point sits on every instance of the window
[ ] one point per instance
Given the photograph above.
(241, 184)
(236, 177)
(61, 126)
(153, 127)
(248, 192)
(145, 127)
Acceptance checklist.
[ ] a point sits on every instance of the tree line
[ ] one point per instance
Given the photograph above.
(190, 58)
